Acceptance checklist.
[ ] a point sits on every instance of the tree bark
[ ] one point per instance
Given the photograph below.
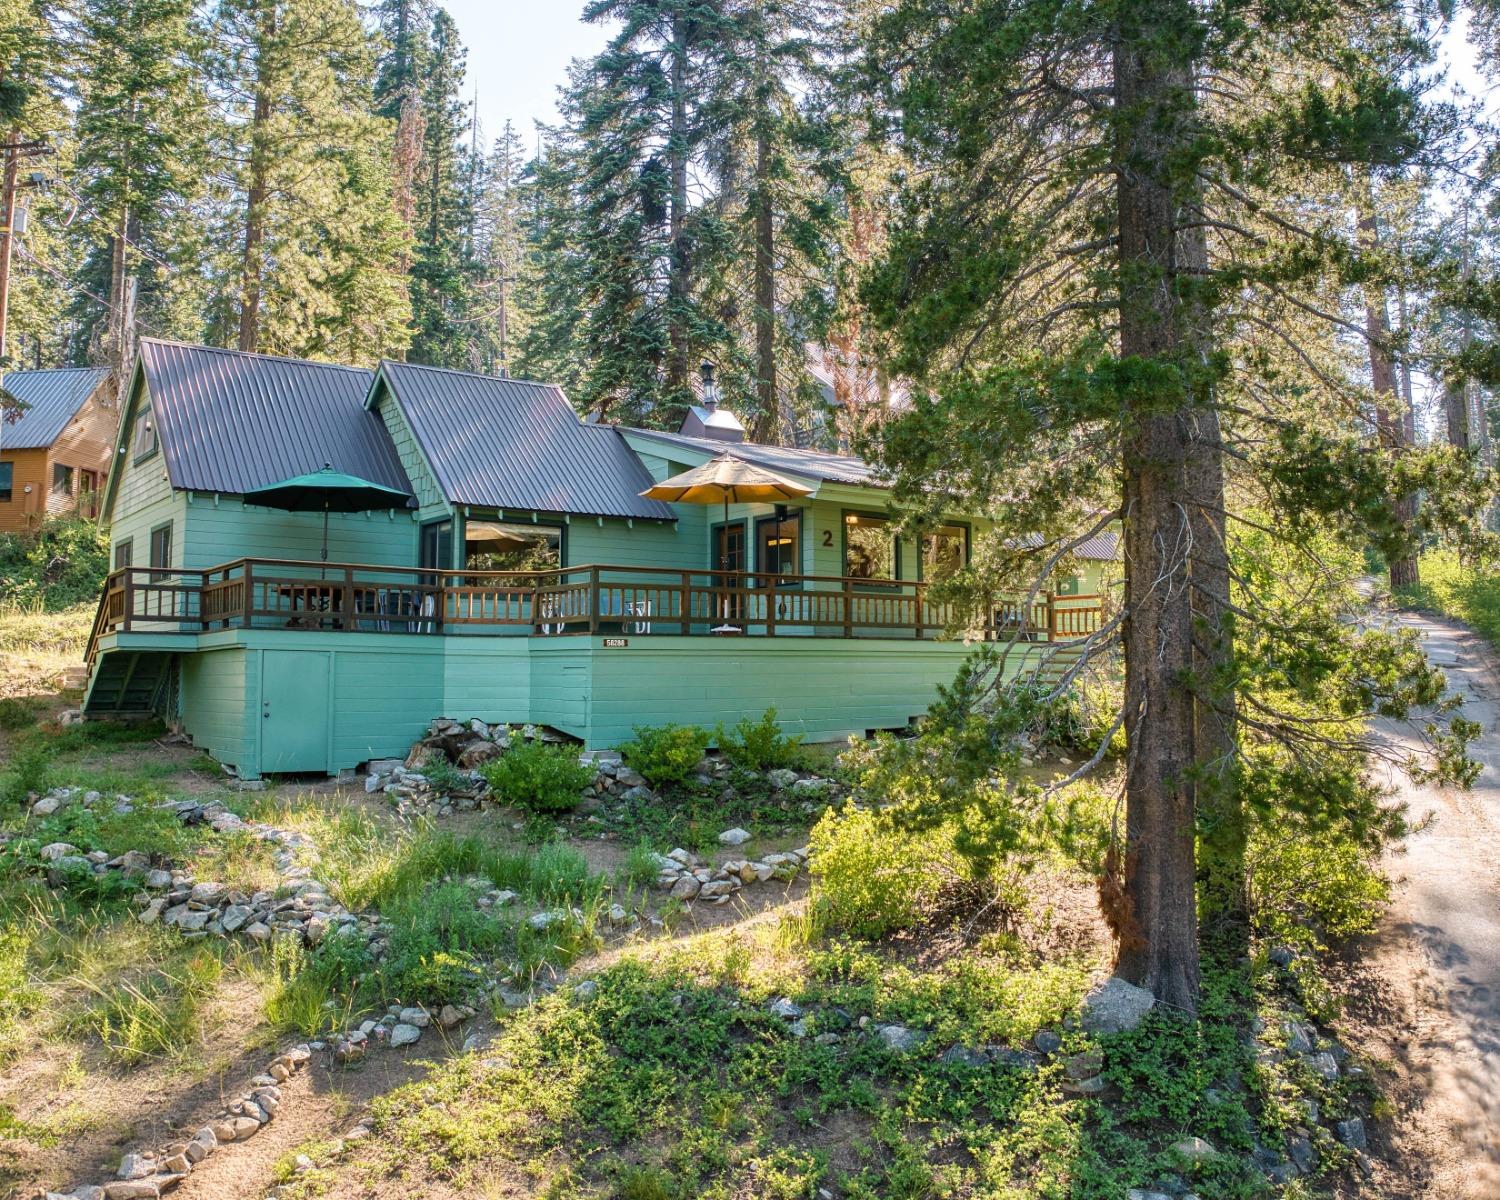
(1391, 422)
(256, 193)
(679, 266)
(765, 294)
(1154, 915)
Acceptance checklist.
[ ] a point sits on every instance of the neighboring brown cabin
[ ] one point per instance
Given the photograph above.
(55, 458)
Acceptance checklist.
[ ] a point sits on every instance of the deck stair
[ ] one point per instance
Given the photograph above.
(127, 683)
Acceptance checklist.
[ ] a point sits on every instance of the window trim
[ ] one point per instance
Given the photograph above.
(968, 529)
(844, 515)
(71, 475)
(140, 455)
(543, 522)
(8, 492)
(128, 546)
(166, 566)
(794, 514)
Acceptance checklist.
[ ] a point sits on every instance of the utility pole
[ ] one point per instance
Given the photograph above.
(15, 151)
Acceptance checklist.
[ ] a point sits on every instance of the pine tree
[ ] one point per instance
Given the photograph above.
(441, 208)
(141, 129)
(1120, 268)
(310, 242)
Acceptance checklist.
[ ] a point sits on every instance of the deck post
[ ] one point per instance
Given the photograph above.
(248, 604)
(848, 608)
(129, 596)
(1051, 617)
(593, 600)
(346, 601)
(918, 592)
(770, 594)
(686, 610)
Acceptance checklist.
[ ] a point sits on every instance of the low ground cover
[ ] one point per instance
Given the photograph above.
(1464, 593)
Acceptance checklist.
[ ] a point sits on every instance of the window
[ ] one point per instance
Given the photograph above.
(144, 435)
(944, 551)
(62, 480)
(869, 547)
(435, 548)
(729, 547)
(7, 479)
(161, 546)
(512, 546)
(124, 552)
(778, 546)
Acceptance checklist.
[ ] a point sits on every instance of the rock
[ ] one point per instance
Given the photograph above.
(258, 931)
(235, 917)
(208, 892)
(685, 888)
(1282, 956)
(717, 889)
(1194, 1149)
(152, 912)
(629, 778)
(1143, 1194)
(586, 990)
(900, 1038)
(1085, 1065)
(781, 778)
(734, 837)
(1046, 1041)
(157, 880)
(1115, 1006)
(1091, 1086)
(617, 914)
(132, 862)
(477, 753)
(245, 1127)
(135, 1189)
(543, 921)
(404, 1035)
(57, 851)
(419, 1017)
(193, 922)
(136, 1166)
(204, 1143)
(1323, 1065)
(449, 1016)
(1016, 1060)
(785, 1009)
(962, 1056)
(46, 806)
(1300, 1151)
(1351, 1133)
(1297, 1040)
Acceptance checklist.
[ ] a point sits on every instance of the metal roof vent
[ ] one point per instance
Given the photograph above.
(707, 419)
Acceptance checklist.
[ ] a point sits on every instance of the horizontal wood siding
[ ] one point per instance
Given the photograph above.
(216, 704)
(221, 529)
(560, 685)
(488, 678)
(29, 469)
(383, 697)
(647, 544)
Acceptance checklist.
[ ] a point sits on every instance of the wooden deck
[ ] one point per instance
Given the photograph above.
(626, 601)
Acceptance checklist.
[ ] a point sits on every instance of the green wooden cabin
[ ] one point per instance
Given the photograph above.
(526, 580)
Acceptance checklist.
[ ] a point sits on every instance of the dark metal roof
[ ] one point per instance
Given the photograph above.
(50, 400)
(230, 421)
(507, 443)
(810, 464)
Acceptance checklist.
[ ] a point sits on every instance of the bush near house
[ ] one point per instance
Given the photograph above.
(60, 564)
(665, 754)
(537, 777)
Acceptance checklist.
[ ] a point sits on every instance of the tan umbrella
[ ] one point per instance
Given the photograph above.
(725, 478)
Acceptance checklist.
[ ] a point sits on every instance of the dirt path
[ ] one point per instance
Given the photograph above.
(1437, 960)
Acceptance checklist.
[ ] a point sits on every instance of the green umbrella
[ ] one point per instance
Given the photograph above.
(327, 491)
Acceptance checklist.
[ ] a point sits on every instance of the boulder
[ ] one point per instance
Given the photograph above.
(208, 892)
(734, 837)
(899, 1038)
(477, 753)
(1194, 1149)
(132, 1189)
(1115, 1006)
(136, 1166)
(781, 778)
(404, 1034)
(1351, 1133)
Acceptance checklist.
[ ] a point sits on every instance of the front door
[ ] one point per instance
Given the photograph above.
(293, 711)
(729, 555)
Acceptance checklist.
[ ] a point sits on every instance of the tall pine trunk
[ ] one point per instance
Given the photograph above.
(765, 294)
(679, 267)
(1390, 420)
(1220, 811)
(1154, 916)
(256, 193)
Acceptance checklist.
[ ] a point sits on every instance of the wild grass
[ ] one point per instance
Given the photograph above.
(157, 1015)
(30, 631)
(1466, 593)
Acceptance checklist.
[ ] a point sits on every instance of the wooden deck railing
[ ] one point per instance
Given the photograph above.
(594, 599)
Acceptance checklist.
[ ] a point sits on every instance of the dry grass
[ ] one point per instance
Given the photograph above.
(41, 653)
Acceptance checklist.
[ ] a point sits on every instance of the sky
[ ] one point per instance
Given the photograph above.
(519, 52)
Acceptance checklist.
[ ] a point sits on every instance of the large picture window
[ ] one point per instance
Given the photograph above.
(512, 546)
(7, 479)
(778, 547)
(869, 547)
(945, 551)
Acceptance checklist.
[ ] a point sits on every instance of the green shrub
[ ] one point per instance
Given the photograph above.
(537, 777)
(18, 712)
(61, 564)
(27, 771)
(443, 777)
(759, 745)
(665, 754)
(1470, 594)
(871, 879)
(436, 941)
(1309, 887)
